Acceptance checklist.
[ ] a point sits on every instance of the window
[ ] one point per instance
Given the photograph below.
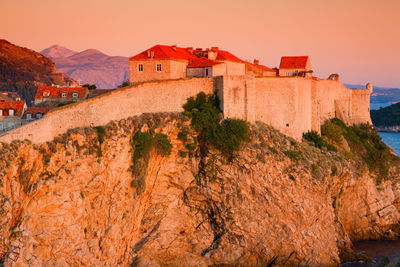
(11, 112)
(158, 68)
(1, 126)
(64, 95)
(38, 116)
(75, 95)
(1, 112)
(10, 125)
(46, 93)
(206, 72)
(28, 116)
(140, 67)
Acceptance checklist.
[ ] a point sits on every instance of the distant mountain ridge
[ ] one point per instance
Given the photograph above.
(57, 51)
(90, 66)
(22, 70)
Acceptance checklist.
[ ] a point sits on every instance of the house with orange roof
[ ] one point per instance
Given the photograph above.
(34, 113)
(295, 66)
(162, 62)
(54, 94)
(11, 113)
(259, 70)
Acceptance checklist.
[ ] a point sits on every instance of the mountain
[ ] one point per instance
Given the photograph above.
(90, 66)
(23, 70)
(57, 51)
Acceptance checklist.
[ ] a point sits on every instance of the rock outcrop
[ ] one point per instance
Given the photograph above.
(74, 201)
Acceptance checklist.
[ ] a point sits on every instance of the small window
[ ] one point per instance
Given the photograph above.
(10, 125)
(29, 116)
(38, 116)
(140, 67)
(206, 72)
(75, 95)
(64, 95)
(11, 112)
(1, 126)
(158, 67)
(46, 93)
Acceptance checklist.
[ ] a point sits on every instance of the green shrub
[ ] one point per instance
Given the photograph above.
(142, 144)
(318, 141)
(294, 155)
(332, 131)
(100, 133)
(273, 150)
(162, 144)
(205, 119)
(182, 136)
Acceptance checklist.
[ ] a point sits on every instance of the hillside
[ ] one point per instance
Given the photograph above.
(105, 196)
(387, 117)
(90, 66)
(23, 70)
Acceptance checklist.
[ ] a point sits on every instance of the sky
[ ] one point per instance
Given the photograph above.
(359, 39)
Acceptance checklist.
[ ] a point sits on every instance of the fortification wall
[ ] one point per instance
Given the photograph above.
(237, 96)
(162, 96)
(360, 100)
(284, 103)
(330, 99)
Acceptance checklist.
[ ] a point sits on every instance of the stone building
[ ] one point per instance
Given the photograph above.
(11, 114)
(34, 113)
(163, 62)
(259, 70)
(295, 66)
(56, 95)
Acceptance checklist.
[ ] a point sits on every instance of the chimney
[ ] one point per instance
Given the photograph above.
(256, 62)
(215, 48)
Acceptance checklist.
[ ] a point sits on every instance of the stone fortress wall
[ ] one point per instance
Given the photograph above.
(293, 105)
(147, 97)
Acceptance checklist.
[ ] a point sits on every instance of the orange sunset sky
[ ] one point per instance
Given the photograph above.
(359, 39)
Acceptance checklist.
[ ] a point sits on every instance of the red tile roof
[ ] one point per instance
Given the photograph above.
(166, 52)
(34, 111)
(294, 62)
(225, 55)
(265, 68)
(17, 106)
(54, 92)
(202, 62)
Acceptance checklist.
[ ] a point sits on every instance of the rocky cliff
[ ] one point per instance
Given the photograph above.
(90, 66)
(23, 70)
(75, 201)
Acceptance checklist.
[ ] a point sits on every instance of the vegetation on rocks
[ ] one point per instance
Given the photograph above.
(387, 116)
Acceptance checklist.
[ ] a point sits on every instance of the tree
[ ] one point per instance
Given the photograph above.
(124, 84)
(90, 86)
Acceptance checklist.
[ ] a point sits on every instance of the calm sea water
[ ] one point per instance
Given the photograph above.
(392, 140)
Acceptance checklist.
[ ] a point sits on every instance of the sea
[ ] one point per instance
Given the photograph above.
(391, 139)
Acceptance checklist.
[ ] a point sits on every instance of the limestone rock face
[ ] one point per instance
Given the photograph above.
(72, 202)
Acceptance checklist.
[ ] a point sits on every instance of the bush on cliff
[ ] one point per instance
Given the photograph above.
(365, 144)
(226, 136)
(318, 141)
(142, 145)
